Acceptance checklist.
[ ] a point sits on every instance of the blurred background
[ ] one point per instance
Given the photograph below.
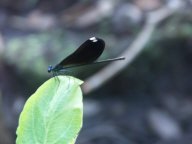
(149, 101)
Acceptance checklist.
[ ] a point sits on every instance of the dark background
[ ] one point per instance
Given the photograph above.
(149, 102)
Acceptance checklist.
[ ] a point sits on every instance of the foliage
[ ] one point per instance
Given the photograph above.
(53, 114)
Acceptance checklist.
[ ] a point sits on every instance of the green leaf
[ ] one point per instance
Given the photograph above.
(53, 114)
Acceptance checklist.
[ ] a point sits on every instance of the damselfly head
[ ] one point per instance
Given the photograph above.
(50, 68)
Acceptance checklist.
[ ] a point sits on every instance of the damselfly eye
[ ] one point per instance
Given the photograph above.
(49, 69)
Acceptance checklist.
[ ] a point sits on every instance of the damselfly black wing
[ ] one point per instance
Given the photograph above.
(88, 52)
